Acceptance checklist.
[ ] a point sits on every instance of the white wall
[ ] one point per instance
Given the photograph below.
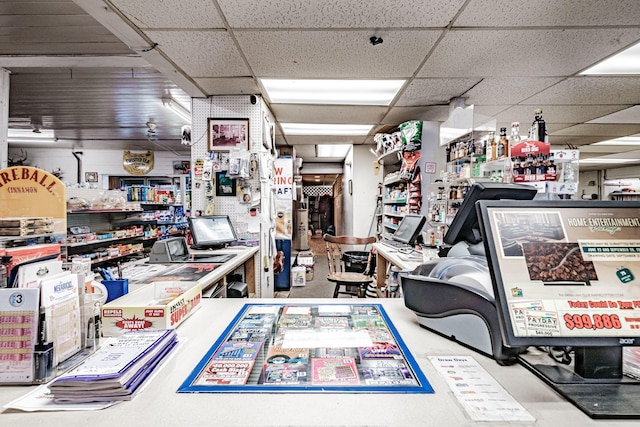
(360, 206)
(105, 162)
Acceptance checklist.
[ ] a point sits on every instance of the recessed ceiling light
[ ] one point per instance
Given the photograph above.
(606, 160)
(333, 150)
(352, 92)
(17, 136)
(626, 140)
(324, 129)
(625, 62)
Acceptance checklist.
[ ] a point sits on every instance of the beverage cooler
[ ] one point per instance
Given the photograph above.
(282, 265)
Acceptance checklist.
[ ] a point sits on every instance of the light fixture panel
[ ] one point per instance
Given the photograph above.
(339, 92)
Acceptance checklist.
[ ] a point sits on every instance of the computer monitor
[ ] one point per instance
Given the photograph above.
(464, 227)
(409, 229)
(573, 287)
(210, 232)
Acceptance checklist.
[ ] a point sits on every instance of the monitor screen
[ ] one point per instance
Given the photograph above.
(464, 227)
(565, 273)
(211, 231)
(409, 229)
(177, 248)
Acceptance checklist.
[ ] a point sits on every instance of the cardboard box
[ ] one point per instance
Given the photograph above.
(298, 276)
(306, 258)
(21, 254)
(160, 305)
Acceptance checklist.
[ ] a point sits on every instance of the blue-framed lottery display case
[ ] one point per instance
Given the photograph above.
(295, 348)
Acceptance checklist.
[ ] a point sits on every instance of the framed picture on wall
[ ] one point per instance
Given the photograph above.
(228, 134)
(225, 185)
(91, 176)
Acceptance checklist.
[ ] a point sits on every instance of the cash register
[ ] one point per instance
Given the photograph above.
(176, 249)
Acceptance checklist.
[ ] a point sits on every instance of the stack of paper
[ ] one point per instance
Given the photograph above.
(116, 370)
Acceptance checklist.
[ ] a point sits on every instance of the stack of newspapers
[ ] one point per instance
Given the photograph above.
(116, 370)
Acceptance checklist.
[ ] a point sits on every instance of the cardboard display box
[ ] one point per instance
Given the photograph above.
(298, 277)
(160, 305)
(307, 259)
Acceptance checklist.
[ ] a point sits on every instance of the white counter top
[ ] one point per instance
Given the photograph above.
(160, 405)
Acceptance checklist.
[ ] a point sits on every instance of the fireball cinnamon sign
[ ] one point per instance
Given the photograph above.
(29, 192)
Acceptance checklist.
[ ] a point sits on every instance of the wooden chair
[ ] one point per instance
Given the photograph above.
(354, 283)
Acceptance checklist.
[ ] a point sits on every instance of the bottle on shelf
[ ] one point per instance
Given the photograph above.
(538, 131)
(514, 138)
(491, 147)
(503, 144)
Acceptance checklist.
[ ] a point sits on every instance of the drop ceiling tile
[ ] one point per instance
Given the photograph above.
(340, 13)
(434, 91)
(524, 52)
(201, 53)
(397, 115)
(228, 85)
(628, 115)
(608, 130)
(164, 14)
(335, 54)
(507, 90)
(591, 90)
(493, 13)
(562, 114)
(335, 114)
(577, 141)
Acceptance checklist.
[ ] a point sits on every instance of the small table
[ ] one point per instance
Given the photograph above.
(387, 255)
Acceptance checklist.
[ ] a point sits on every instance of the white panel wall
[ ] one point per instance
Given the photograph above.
(105, 162)
(362, 205)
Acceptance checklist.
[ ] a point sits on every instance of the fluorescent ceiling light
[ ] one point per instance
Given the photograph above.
(625, 62)
(24, 136)
(352, 92)
(608, 160)
(626, 140)
(329, 150)
(177, 108)
(324, 129)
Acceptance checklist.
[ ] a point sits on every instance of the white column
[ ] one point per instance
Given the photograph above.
(4, 117)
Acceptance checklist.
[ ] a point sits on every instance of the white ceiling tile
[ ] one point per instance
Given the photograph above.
(609, 130)
(507, 90)
(397, 115)
(334, 114)
(228, 85)
(374, 14)
(494, 13)
(335, 54)
(524, 52)
(434, 91)
(201, 53)
(164, 14)
(577, 141)
(628, 115)
(562, 114)
(591, 90)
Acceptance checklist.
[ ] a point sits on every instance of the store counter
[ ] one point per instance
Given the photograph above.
(387, 255)
(158, 403)
(142, 272)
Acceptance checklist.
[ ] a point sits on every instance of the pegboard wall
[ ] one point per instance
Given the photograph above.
(229, 107)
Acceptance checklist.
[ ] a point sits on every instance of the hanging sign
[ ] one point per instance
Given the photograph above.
(137, 163)
(283, 188)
